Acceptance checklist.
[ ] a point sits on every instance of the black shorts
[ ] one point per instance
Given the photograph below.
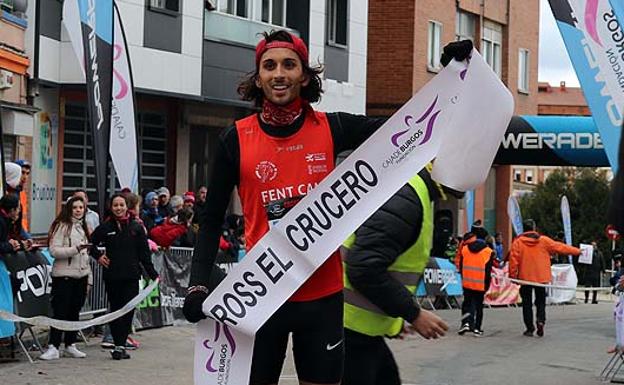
(318, 347)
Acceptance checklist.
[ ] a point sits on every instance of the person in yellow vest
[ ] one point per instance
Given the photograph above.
(383, 262)
(474, 262)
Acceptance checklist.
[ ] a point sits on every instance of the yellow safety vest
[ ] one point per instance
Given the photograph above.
(360, 314)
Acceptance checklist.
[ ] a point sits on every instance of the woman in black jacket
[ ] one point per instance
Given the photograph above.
(126, 251)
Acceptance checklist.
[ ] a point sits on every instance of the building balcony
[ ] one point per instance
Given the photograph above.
(237, 30)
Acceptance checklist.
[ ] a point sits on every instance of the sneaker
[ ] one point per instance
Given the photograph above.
(119, 353)
(463, 329)
(107, 342)
(132, 344)
(478, 333)
(528, 333)
(72, 351)
(51, 354)
(540, 329)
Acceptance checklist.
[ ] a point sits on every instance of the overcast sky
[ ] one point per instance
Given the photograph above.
(554, 63)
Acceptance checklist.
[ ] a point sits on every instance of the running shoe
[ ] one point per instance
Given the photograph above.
(132, 344)
(540, 329)
(478, 333)
(463, 329)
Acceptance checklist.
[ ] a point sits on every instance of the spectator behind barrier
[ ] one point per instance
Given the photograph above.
(164, 206)
(150, 215)
(176, 203)
(172, 229)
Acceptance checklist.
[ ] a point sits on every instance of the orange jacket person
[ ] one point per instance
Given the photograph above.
(529, 260)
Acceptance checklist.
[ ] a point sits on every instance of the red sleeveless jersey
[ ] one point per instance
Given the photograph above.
(275, 174)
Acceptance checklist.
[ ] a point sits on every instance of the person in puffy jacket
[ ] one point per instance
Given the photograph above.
(173, 228)
(127, 251)
(69, 242)
(529, 260)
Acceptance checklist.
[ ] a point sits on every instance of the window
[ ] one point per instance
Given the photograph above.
(166, 5)
(78, 167)
(465, 25)
(433, 46)
(337, 22)
(274, 12)
(234, 7)
(517, 175)
(528, 176)
(491, 45)
(523, 70)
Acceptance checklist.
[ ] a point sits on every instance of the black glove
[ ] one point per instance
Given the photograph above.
(193, 306)
(458, 50)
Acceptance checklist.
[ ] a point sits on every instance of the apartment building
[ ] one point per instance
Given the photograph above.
(405, 42)
(187, 58)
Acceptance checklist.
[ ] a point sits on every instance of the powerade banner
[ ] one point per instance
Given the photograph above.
(552, 141)
(30, 272)
(593, 38)
(440, 278)
(7, 329)
(97, 37)
(513, 210)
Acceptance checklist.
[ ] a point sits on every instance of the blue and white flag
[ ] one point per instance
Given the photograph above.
(469, 208)
(593, 38)
(513, 210)
(567, 222)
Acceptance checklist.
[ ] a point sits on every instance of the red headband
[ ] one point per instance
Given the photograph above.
(297, 45)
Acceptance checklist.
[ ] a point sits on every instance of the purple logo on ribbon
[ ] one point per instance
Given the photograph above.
(221, 347)
(411, 123)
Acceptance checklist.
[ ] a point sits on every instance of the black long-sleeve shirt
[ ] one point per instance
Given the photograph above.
(126, 248)
(348, 132)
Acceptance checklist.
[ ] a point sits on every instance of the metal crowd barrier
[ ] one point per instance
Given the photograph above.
(97, 301)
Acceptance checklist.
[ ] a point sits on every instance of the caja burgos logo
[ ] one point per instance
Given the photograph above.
(266, 171)
(413, 135)
(222, 348)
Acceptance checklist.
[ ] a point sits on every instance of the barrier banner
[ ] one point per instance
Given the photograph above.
(502, 291)
(562, 275)
(440, 278)
(7, 329)
(31, 271)
(163, 306)
(442, 112)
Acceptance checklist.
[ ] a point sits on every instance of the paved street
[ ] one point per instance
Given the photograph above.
(571, 353)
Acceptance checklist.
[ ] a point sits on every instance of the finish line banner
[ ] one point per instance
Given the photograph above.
(443, 113)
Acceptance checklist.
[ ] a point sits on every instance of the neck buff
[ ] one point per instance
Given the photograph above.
(122, 220)
(282, 115)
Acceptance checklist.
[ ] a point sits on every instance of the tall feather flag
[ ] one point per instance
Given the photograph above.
(110, 87)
